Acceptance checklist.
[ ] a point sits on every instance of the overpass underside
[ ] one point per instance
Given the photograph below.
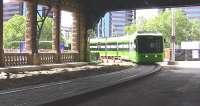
(86, 13)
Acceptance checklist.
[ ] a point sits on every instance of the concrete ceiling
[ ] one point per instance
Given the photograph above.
(108, 5)
(95, 9)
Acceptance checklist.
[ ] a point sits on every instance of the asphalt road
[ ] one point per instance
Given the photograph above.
(170, 87)
(49, 92)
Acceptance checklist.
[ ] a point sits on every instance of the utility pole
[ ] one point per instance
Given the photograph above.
(172, 60)
(115, 35)
(104, 34)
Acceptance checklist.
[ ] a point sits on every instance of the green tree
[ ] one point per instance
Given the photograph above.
(130, 29)
(185, 29)
(194, 33)
(46, 34)
(92, 32)
(163, 22)
(14, 32)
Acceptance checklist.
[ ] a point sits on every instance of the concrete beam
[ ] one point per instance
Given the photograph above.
(95, 9)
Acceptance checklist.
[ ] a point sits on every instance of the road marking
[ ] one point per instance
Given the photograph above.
(37, 87)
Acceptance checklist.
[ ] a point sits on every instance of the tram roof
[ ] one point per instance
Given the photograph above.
(125, 38)
(120, 39)
(148, 34)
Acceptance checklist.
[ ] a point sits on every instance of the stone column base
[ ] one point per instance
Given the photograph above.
(2, 61)
(172, 63)
(36, 59)
(58, 58)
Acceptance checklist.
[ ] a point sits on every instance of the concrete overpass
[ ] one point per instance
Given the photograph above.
(95, 9)
(86, 14)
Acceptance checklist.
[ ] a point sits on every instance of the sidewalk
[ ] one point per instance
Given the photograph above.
(46, 93)
(40, 67)
(184, 64)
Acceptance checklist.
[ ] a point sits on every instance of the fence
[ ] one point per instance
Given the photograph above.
(189, 55)
(184, 54)
(15, 59)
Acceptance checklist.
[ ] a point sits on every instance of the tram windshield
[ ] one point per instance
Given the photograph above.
(150, 44)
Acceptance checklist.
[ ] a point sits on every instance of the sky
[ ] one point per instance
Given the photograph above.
(147, 13)
(66, 18)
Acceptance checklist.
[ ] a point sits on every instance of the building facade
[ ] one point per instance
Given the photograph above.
(113, 23)
(16, 7)
(42, 10)
(12, 8)
(192, 12)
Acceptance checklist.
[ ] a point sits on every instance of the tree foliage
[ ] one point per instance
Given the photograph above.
(14, 32)
(194, 30)
(185, 29)
(46, 34)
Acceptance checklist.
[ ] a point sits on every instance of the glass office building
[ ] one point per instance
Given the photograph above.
(113, 23)
(192, 12)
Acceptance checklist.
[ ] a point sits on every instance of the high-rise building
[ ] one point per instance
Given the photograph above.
(113, 23)
(120, 19)
(192, 12)
(104, 26)
(12, 8)
(16, 7)
(42, 10)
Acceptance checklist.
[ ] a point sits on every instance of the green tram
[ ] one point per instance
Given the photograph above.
(143, 48)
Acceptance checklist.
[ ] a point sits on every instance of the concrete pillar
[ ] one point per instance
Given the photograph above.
(84, 52)
(1, 35)
(56, 30)
(75, 32)
(31, 32)
(79, 36)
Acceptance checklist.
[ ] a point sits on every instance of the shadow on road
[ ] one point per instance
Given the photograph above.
(76, 100)
(165, 88)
